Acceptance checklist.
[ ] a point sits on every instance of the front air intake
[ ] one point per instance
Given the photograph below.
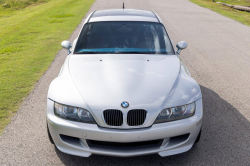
(136, 117)
(113, 117)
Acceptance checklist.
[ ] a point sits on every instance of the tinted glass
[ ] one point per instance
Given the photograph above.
(123, 37)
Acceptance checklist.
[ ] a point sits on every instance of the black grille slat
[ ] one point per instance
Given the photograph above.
(113, 117)
(132, 118)
(139, 117)
(136, 117)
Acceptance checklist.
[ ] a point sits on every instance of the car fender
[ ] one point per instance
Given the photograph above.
(63, 90)
(185, 90)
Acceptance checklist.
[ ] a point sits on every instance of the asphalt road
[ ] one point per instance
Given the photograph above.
(218, 56)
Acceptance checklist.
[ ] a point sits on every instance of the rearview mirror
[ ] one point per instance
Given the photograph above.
(67, 45)
(180, 46)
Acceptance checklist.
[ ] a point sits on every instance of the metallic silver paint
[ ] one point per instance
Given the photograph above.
(93, 132)
(150, 82)
(123, 18)
(67, 45)
(127, 15)
(180, 46)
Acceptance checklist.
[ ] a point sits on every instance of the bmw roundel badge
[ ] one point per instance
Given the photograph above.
(125, 104)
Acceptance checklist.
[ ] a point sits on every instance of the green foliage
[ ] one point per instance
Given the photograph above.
(19, 4)
(29, 41)
(241, 16)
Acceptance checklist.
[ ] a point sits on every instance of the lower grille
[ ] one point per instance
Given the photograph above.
(131, 146)
(113, 117)
(136, 117)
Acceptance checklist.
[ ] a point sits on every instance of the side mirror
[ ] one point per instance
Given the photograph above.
(180, 46)
(67, 45)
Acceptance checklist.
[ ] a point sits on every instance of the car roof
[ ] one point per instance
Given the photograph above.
(123, 15)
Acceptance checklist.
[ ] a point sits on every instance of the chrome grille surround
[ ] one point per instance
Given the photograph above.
(113, 117)
(136, 117)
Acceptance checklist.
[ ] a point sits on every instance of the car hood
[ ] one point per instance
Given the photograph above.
(105, 81)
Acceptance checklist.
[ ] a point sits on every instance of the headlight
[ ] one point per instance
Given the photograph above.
(73, 113)
(176, 113)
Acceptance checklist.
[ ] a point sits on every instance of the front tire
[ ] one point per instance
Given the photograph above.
(50, 138)
(198, 138)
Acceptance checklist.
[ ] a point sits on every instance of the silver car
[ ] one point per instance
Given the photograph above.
(123, 90)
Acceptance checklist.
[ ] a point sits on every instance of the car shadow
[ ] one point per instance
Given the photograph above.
(225, 140)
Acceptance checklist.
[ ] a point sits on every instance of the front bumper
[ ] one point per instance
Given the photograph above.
(167, 132)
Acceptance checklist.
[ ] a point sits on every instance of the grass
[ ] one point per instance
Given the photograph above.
(241, 16)
(236, 2)
(29, 41)
(19, 4)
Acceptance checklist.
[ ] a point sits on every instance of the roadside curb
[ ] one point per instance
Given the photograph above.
(237, 7)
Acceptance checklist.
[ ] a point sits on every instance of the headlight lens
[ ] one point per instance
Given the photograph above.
(73, 113)
(176, 113)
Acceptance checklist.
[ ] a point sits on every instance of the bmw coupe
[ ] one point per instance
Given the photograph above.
(123, 90)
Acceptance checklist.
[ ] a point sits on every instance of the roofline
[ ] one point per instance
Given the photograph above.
(156, 16)
(91, 15)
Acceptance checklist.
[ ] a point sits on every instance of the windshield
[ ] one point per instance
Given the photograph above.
(123, 38)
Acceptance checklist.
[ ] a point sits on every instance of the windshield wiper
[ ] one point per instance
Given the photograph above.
(88, 52)
(135, 52)
(124, 52)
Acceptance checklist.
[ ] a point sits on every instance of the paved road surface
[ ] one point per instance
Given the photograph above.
(218, 57)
